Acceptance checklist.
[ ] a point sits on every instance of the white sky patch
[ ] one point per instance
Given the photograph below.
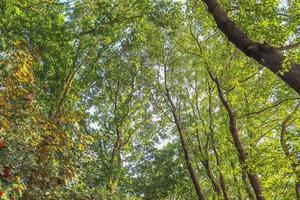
(92, 110)
(183, 1)
(283, 4)
(95, 125)
(163, 142)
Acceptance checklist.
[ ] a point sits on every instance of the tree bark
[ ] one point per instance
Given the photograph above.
(183, 142)
(211, 177)
(188, 159)
(265, 54)
(242, 154)
(213, 143)
(221, 177)
(114, 169)
(203, 157)
(247, 187)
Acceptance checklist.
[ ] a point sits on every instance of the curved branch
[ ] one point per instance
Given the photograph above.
(290, 46)
(265, 54)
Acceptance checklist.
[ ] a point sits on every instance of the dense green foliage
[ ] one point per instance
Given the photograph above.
(108, 99)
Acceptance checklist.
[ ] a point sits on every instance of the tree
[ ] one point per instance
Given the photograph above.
(104, 99)
(264, 53)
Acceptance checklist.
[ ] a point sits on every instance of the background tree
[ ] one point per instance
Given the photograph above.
(104, 99)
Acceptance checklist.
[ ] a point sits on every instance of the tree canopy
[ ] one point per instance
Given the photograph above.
(150, 99)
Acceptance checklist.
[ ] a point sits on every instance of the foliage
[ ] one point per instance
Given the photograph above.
(97, 96)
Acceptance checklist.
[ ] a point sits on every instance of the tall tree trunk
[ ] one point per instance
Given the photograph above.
(223, 186)
(188, 160)
(213, 143)
(265, 54)
(114, 173)
(186, 155)
(206, 164)
(242, 154)
(247, 186)
(56, 107)
(211, 177)
(203, 157)
(298, 188)
(183, 142)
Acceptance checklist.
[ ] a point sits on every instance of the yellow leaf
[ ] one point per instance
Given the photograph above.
(81, 147)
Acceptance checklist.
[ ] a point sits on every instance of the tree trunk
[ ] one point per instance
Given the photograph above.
(242, 154)
(211, 177)
(183, 142)
(223, 187)
(114, 170)
(186, 155)
(213, 143)
(115, 164)
(247, 186)
(189, 165)
(265, 54)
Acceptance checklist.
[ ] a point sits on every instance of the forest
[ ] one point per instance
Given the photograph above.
(150, 99)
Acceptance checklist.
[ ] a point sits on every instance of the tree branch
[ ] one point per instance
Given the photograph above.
(265, 54)
(290, 46)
